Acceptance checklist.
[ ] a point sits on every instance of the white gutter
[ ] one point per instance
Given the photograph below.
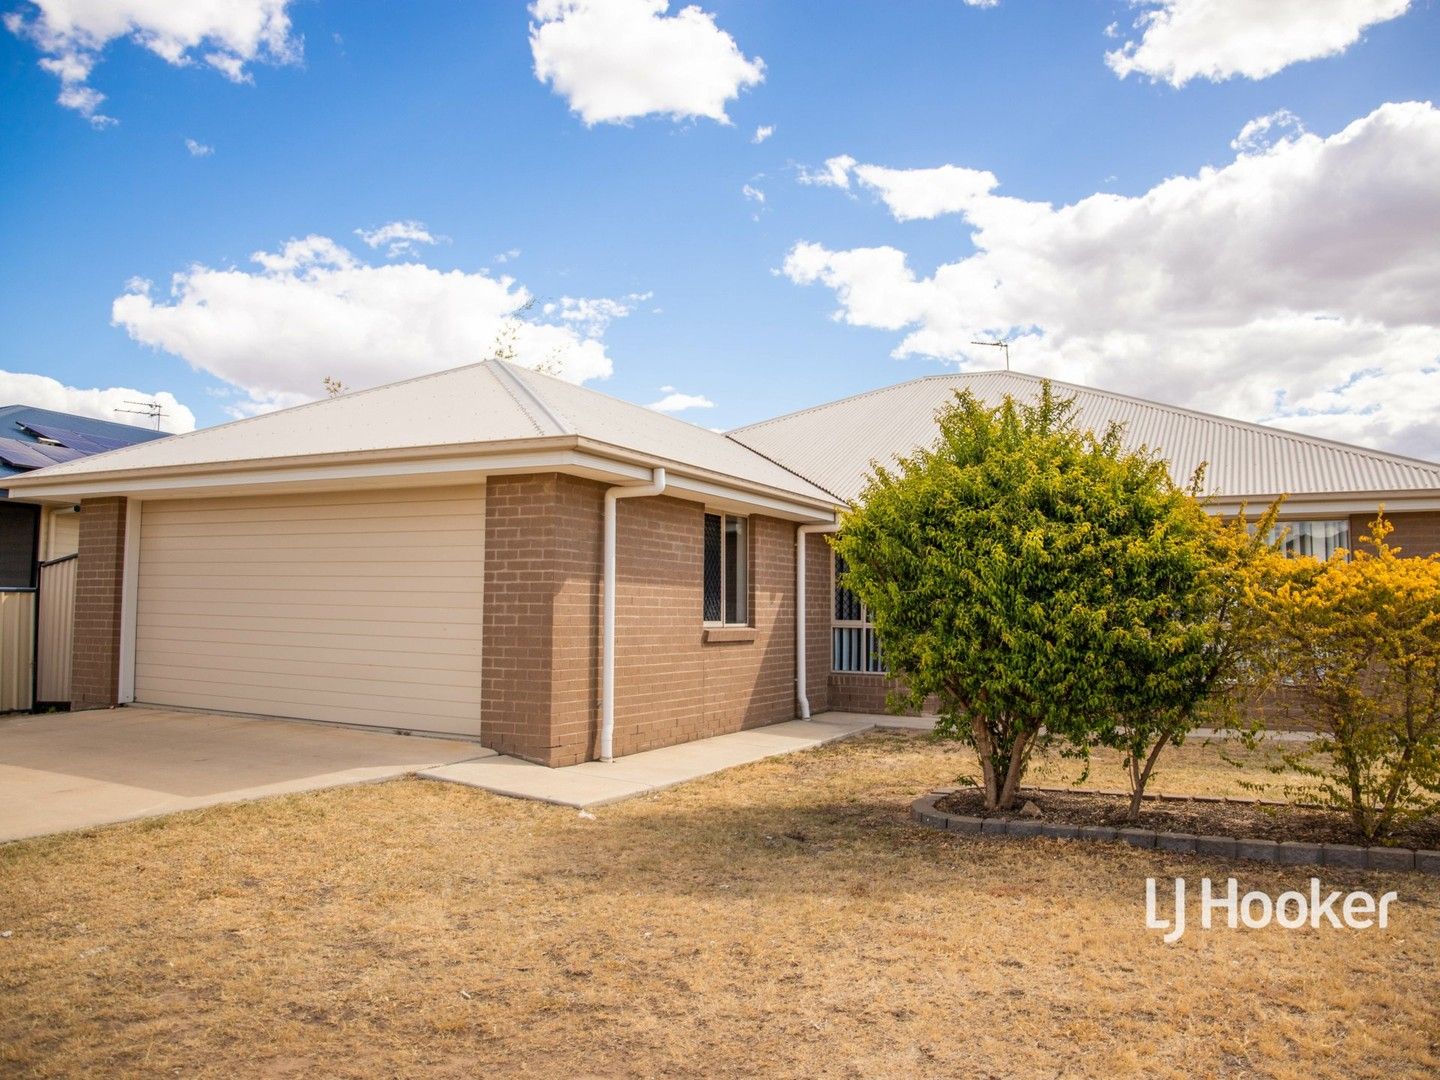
(607, 655)
(801, 697)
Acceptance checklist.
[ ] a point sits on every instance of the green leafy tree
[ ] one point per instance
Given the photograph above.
(1164, 693)
(1358, 641)
(1042, 582)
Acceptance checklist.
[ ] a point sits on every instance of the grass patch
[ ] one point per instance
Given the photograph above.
(785, 918)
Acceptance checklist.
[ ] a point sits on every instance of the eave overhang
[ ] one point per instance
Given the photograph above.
(434, 465)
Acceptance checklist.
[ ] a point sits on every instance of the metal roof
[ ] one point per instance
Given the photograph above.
(22, 428)
(491, 401)
(833, 445)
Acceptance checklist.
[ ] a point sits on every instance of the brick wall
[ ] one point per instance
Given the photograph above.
(671, 685)
(515, 656)
(1415, 533)
(95, 679)
(579, 509)
(541, 667)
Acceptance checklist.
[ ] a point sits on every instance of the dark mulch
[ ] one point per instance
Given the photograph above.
(1239, 819)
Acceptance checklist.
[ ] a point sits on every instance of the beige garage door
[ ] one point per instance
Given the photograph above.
(358, 607)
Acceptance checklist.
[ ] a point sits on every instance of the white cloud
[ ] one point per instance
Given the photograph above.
(753, 193)
(398, 237)
(674, 401)
(506, 256)
(43, 392)
(614, 60)
(763, 132)
(836, 173)
(982, 3)
(1219, 39)
(592, 316)
(198, 149)
(1300, 285)
(1263, 132)
(910, 194)
(314, 309)
(225, 34)
(918, 194)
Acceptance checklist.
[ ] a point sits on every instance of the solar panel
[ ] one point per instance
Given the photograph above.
(57, 454)
(75, 440)
(20, 455)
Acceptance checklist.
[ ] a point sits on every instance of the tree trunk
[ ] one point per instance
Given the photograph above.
(1015, 769)
(985, 750)
(1139, 776)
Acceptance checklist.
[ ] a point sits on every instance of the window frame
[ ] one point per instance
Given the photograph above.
(862, 629)
(742, 595)
(1299, 536)
(37, 512)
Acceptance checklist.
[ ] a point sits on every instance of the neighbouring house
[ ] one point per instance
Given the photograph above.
(494, 553)
(34, 535)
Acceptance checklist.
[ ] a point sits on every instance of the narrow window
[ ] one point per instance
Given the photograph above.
(19, 537)
(727, 584)
(854, 643)
(714, 567)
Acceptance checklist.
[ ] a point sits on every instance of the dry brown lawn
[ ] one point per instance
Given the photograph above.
(784, 919)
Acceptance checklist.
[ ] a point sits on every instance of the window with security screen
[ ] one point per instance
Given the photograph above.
(727, 584)
(854, 645)
(19, 534)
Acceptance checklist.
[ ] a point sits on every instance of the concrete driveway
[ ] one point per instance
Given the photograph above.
(62, 771)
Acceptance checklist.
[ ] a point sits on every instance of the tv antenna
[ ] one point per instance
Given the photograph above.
(153, 409)
(999, 345)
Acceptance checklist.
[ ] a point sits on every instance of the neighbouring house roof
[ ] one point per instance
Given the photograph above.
(471, 408)
(32, 438)
(833, 445)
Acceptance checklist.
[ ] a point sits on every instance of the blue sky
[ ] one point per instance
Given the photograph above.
(1266, 291)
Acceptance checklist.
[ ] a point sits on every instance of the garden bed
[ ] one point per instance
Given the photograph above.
(1201, 815)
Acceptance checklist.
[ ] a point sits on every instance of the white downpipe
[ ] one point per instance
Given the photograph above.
(802, 697)
(607, 654)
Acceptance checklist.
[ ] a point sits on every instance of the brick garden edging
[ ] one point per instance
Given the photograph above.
(1283, 852)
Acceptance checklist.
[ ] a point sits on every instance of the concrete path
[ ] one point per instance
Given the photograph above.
(595, 783)
(62, 771)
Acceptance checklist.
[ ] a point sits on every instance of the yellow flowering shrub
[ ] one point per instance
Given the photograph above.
(1357, 637)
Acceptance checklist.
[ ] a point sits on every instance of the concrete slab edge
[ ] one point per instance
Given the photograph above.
(649, 788)
(1282, 853)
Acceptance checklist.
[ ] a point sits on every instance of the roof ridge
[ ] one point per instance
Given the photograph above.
(518, 388)
(781, 465)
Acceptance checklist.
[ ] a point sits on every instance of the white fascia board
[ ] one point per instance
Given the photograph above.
(728, 497)
(460, 468)
(1302, 507)
(456, 469)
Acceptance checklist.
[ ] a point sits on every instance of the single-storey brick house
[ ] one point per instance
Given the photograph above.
(493, 553)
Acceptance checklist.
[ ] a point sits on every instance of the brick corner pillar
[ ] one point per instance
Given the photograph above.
(99, 587)
(540, 659)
